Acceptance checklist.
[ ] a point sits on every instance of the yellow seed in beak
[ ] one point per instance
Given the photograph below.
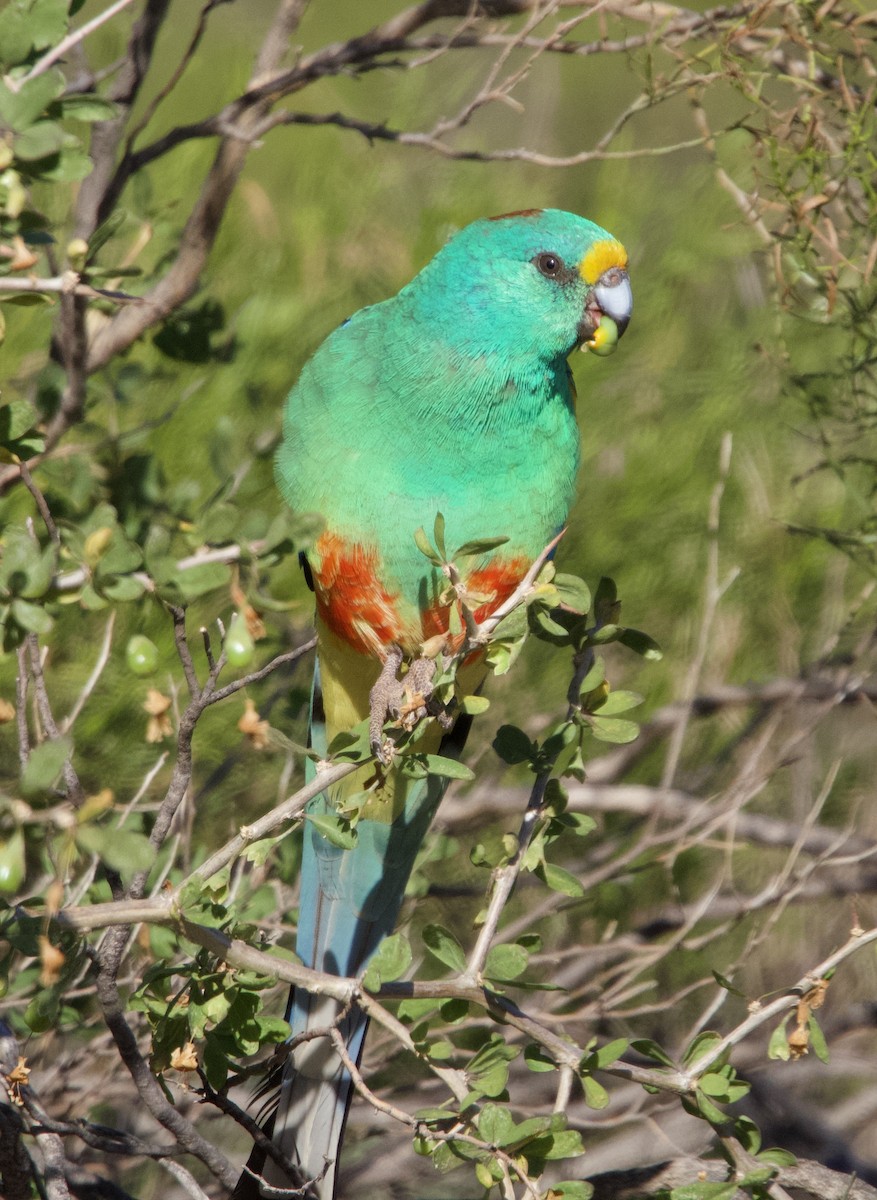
(604, 339)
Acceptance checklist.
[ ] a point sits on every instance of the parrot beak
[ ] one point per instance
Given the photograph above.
(608, 312)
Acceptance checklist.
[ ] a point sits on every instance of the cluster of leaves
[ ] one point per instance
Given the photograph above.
(209, 1006)
(36, 142)
(714, 1085)
(40, 971)
(102, 551)
(815, 161)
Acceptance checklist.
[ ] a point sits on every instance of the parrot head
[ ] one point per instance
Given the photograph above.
(539, 282)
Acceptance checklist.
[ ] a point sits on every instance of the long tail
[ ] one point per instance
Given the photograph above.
(349, 901)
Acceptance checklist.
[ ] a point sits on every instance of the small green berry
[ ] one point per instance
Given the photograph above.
(239, 645)
(141, 655)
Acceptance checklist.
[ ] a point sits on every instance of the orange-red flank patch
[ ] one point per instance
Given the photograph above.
(358, 608)
(351, 599)
(495, 583)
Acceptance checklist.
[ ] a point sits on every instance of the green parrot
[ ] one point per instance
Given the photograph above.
(453, 396)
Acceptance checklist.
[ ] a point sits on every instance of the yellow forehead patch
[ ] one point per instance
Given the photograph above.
(601, 257)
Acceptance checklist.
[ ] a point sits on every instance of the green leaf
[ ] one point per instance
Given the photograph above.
(756, 1178)
(747, 1133)
(778, 1046)
(545, 624)
(351, 745)
(257, 852)
(594, 678)
(392, 959)
(39, 141)
(70, 165)
(410, 1011)
(88, 108)
(16, 418)
(44, 765)
(106, 230)
(704, 1190)
(123, 588)
(512, 744)
(215, 1064)
(441, 1050)
(570, 1189)
(534, 1127)
(31, 616)
(48, 22)
(333, 829)
(614, 729)
(487, 1174)
(580, 824)
(817, 1039)
(506, 961)
(709, 1111)
(560, 880)
(442, 944)
(495, 1125)
(438, 533)
(454, 1011)
(617, 702)
(425, 546)
(502, 654)
(120, 556)
(650, 1049)
(474, 705)
(605, 598)
(641, 643)
(489, 1069)
(778, 1157)
(16, 38)
(125, 850)
(447, 768)
(712, 1084)
(725, 983)
(537, 1060)
(13, 866)
(20, 109)
(611, 1052)
(479, 546)
(25, 569)
(435, 1116)
(596, 1095)
(204, 578)
(603, 634)
(567, 1143)
(43, 1011)
(702, 1044)
(574, 592)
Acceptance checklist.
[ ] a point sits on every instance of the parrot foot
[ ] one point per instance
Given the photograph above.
(405, 700)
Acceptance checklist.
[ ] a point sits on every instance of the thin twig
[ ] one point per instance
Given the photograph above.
(41, 503)
(92, 681)
(67, 43)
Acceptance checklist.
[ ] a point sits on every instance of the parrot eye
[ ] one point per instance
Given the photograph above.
(550, 265)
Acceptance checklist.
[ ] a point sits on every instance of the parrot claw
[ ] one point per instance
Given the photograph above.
(405, 700)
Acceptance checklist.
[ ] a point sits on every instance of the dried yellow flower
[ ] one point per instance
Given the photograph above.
(185, 1058)
(253, 727)
(159, 724)
(51, 961)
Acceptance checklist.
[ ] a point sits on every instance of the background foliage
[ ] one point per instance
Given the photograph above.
(727, 488)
